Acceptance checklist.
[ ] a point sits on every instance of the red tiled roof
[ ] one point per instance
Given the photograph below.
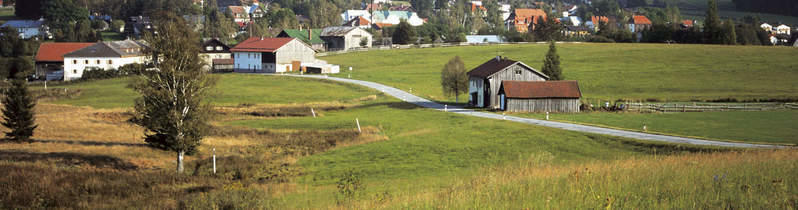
(383, 25)
(596, 19)
(529, 14)
(688, 23)
(237, 10)
(641, 20)
(258, 44)
(541, 89)
(54, 52)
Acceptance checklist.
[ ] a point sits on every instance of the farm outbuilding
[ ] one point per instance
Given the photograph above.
(484, 80)
(539, 96)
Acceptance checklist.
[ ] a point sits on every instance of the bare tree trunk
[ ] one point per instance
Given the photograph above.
(180, 161)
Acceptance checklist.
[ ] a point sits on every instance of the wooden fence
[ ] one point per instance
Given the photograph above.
(706, 107)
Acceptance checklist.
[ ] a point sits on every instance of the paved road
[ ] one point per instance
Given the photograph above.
(410, 98)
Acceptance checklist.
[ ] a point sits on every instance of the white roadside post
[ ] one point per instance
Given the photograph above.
(358, 125)
(645, 129)
(214, 160)
(445, 108)
(45, 84)
(547, 115)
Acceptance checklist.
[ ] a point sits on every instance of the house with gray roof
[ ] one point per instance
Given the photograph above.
(343, 38)
(103, 55)
(394, 17)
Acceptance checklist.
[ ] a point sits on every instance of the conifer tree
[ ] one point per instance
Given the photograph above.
(712, 24)
(551, 64)
(18, 112)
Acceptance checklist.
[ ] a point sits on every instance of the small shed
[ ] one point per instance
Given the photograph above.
(540, 96)
(484, 80)
(345, 38)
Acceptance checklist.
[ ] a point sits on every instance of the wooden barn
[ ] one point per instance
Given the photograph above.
(539, 96)
(484, 80)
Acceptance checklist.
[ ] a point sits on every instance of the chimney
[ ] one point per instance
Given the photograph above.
(310, 34)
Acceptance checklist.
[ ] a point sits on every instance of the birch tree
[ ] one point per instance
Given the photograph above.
(172, 106)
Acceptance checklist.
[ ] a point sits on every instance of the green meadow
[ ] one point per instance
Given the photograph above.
(605, 71)
(406, 157)
(763, 127)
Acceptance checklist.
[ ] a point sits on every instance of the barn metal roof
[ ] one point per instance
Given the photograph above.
(541, 89)
(496, 65)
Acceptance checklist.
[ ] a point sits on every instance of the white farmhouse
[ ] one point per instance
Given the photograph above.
(103, 55)
(271, 55)
(766, 27)
(783, 29)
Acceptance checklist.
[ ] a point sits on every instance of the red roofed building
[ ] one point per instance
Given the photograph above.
(522, 18)
(687, 23)
(271, 55)
(540, 96)
(50, 57)
(360, 22)
(639, 23)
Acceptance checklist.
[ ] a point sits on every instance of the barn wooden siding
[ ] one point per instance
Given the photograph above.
(509, 74)
(543, 105)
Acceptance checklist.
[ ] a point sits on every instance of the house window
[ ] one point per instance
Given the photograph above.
(86, 62)
(110, 62)
(208, 48)
(218, 48)
(249, 54)
(518, 72)
(74, 61)
(75, 71)
(98, 62)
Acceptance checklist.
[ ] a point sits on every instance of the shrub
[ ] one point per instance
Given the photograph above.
(349, 185)
(602, 39)
(234, 196)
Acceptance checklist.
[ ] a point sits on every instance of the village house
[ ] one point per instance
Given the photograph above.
(783, 29)
(485, 80)
(215, 54)
(522, 18)
(394, 17)
(539, 96)
(50, 58)
(136, 26)
(360, 22)
(349, 15)
(311, 37)
(687, 24)
(767, 27)
(271, 55)
(639, 23)
(26, 28)
(240, 14)
(595, 21)
(103, 55)
(343, 38)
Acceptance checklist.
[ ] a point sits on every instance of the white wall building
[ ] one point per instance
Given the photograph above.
(783, 29)
(271, 55)
(103, 55)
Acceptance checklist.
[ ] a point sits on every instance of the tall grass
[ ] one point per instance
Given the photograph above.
(728, 180)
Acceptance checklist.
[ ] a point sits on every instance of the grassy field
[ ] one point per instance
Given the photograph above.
(274, 154)
(604, 71)
(7, 13)
(766, 127)
(232, 89)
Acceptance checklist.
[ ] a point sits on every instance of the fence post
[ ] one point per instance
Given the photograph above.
(313, 112)
(358, 125)
(445, 108)
(214, 160)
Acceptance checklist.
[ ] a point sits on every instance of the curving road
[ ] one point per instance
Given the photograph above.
(410, 98)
